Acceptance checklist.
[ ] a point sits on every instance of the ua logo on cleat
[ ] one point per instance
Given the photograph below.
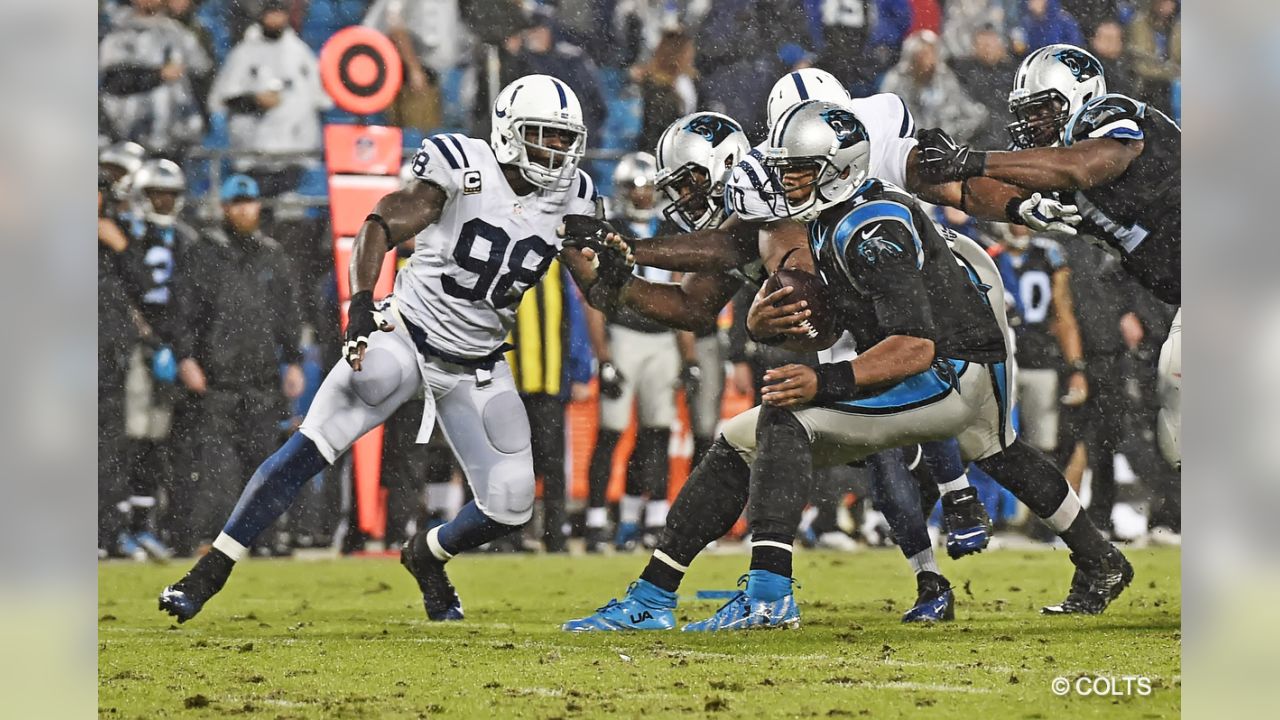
(637, 619)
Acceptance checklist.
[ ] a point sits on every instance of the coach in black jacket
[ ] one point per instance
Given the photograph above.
(242, 323)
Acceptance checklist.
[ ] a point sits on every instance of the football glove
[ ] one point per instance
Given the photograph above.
(363, 319)
(585, 231)
(610, 381)
(943, 161)
(1045, 214)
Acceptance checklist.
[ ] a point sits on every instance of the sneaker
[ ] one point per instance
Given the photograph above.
(438, 596)
(836, 540)
(627, 537)
(594, 540)
(1097, 581)
(744, 612)
(935, 602)
(644, 607)
(152, 546)
(966, 521)
(185, 598)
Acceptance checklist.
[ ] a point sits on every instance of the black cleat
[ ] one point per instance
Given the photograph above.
(595, 540)
(185, 598)
(438, 596)
(966, 522)
(1097, 581)
(935, 601)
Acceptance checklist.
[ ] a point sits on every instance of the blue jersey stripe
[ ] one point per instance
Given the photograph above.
(444, 150)
(906, 130)
(457, 144)
(911, 392)
(582, 185)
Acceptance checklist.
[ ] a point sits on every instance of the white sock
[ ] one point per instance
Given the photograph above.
(1066, 513)
(924, 561)
(228, 546)
(597, 517)
(655, 513)
(629, 509)
(433, 544)
(959, 483)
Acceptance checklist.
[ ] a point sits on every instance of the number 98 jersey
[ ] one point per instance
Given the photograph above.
(469, 269)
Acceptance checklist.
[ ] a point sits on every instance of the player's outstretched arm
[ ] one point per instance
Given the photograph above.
(989, 199)
(397, 217)
(712, 250)
(1079, 166)
(694, 304)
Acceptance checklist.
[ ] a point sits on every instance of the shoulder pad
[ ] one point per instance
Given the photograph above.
(1113, 116)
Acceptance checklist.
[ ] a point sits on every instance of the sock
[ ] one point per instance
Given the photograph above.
(470, 528)
(629, 509)
(597, 517)
(942, 457)
(208, 576)
(663, 572)
(924, 561)
(767, 586)
(771, 553)
(706, 508)
(1034, 480)
(655, 513)
(897, 496)
(273, 487)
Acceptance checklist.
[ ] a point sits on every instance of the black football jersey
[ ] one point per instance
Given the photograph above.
(1139, 214)
(1031, 272)
(891, 272)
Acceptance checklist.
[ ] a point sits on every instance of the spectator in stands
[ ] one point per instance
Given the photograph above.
(985, 74)
(965, 19)
(270, 89)
(148, 67)
(1044, 22)
(1090, 13)
(1155, 43)
(667, 86)
(322, 19)
(635, 26)
(431, 40)
(241, 323)
(539, 52)
(893, 25)
(932, 91)
(184, 11)
(846, 29)
(1107, 43)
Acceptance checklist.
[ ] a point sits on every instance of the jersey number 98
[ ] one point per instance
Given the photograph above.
(502, 288)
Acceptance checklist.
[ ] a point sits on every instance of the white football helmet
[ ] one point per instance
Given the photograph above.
(824, 139)
(695, 156)
(1051, 85)
(122, 160)
(526, 115)
(636, 172)
(158, 176)
(801, 85)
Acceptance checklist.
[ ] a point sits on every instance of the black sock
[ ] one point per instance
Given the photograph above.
(706, 508)
(208, 576)
(601, 466)
(1084, 538)
(662, 574)
(767, 556)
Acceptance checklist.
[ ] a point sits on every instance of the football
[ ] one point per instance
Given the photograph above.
(821, 323)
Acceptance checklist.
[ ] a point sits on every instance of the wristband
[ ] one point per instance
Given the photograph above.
(974, 164)
(1077, 365)
(836, 382)
(1011, 210)
(377, 219)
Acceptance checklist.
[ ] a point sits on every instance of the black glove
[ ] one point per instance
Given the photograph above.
(942, 161)
(691, 379)
(587, 231)
(610, 381)
(362, 321)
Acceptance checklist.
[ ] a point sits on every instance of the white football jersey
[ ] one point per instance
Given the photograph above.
(469, 269)
(890, 127)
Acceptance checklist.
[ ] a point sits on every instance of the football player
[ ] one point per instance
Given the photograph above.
(1119, 160)
(484, 217)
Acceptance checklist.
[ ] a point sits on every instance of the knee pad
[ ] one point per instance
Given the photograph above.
(380, 377)
(506, 424)
(509, 497)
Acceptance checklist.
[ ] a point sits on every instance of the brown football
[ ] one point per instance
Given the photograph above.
(821, 323)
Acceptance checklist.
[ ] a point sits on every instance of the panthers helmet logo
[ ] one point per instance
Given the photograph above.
(713, 129)
(1082, 65)
(849, 130)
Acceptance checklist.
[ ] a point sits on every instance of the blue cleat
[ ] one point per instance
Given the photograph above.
(179, 604)
(744, 612)
(935, 602)
(439, 598)
(644, 607)
(627, 537)
(966, 521)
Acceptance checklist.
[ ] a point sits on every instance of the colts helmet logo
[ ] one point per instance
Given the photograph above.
(1081, 65)
(849, 130)
(714, 129)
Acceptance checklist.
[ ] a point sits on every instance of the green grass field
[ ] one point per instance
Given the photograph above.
(348, 639)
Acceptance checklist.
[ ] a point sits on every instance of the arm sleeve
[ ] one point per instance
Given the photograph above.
(883, 259)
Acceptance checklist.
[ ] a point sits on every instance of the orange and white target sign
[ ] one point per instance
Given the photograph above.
(361, 70)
